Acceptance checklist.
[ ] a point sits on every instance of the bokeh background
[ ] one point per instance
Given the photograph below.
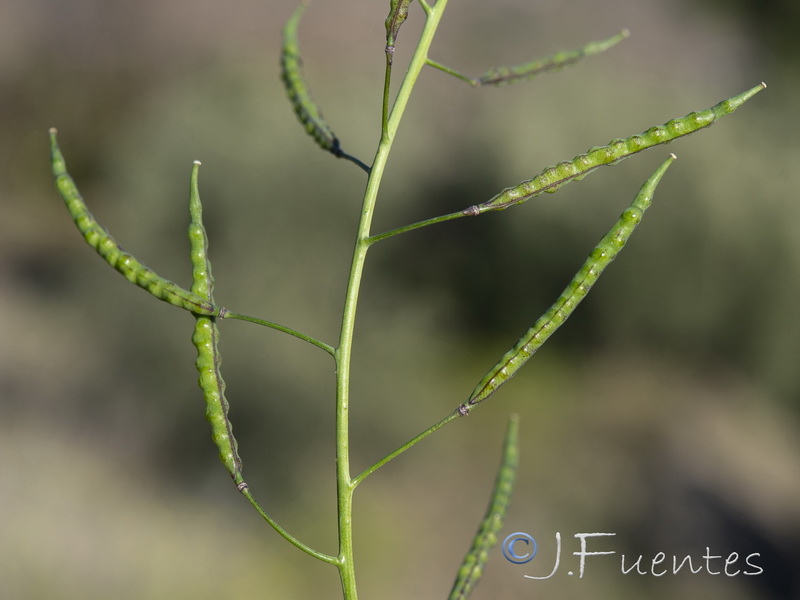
(665, 411)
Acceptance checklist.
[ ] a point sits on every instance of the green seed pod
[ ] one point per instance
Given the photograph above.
(474, 562)
(107, 247)
(398, 13)
(552, 178)
(202, 279)
(506, 75)
(581, 283)
(304, 105)
(205, 339)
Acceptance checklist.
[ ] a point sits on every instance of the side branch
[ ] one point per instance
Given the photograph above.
(229, 314)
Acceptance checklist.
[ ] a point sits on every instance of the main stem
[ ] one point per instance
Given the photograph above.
(344, 481)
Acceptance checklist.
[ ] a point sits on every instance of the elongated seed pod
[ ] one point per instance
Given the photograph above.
(107, 247)
(205, 339)
(398, 13)
(507, 75)
(303, 103)
(581, 283)
(202, 278)
(474, 562)
(552, 178)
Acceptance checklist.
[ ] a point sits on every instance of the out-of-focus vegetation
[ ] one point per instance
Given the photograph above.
(666, 410)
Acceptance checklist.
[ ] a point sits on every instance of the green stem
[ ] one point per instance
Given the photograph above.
(285, 534)
(344, 483)
(454, 73)
(420, 224)
(229, 314)
(387, 80)
(452, 416)
(365, 167)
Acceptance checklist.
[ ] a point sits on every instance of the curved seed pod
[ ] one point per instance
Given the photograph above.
(584, 279)
(616, 150)
(304, 105)
(398, 13)
(202, 279)
(474, 562)
(107, 247)
(205, 339)
(507, 75)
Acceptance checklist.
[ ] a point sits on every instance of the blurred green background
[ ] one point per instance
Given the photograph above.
(666, 410)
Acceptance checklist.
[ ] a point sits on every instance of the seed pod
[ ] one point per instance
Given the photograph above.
(107, 247)
(507, 75)
(304, 105)
(474, 562)
(581, 283)
(202, 279)
(205, 339)
(576, 169)
(398, 13)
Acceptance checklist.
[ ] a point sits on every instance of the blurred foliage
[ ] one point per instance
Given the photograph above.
(665, 410)
(773, 23)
